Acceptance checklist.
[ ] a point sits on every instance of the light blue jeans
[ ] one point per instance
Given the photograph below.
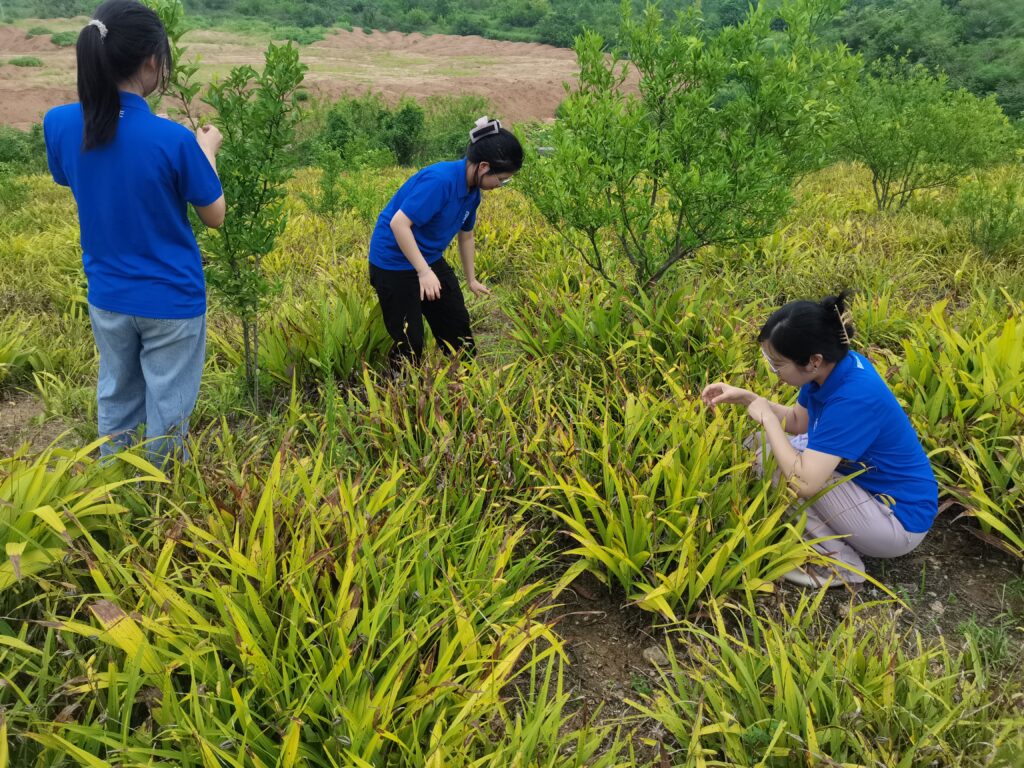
(149, 375)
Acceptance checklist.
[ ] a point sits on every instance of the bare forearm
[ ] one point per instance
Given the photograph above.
(467, 255)
(786, 456)
(407, 243)
(782, 412)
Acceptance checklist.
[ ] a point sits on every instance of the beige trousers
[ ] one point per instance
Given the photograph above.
(868, 526)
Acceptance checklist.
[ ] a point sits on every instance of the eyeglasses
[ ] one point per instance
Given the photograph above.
(503, 182)
(768, 360)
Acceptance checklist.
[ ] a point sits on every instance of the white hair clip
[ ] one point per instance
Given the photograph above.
(100, 26)
(484, 127)
(844, 320)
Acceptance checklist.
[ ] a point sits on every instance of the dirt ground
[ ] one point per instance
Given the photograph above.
(21, 420)
(524, 81)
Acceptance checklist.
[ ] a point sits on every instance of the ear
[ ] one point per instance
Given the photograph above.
(483, 167)
(815, 360)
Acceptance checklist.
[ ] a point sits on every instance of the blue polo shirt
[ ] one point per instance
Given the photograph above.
(854, 415)
(438, 202)
(138, 248)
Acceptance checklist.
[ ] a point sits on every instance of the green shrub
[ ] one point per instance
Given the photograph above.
(446, 125)
(64, 39)
(368, 134)
(26, 61)
(37, 32)
(300, 35)
(13, 191)
(992, 215)
(23, 151)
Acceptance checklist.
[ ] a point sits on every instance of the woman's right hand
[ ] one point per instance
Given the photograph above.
(720, 393)
(209, 138)
(430, 286)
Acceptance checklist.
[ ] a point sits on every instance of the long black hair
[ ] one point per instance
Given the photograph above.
(496, 146)
(801, 329)
(110, 52)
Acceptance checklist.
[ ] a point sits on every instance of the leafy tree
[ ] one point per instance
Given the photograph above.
(920, 31)
(525, 13)
(913, 133)
(181, 84)
(978, 43)
(685, 138)
(257, 113)
(403, 130)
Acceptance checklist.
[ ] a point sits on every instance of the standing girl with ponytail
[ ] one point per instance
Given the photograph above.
(133, 175)
(846, 420)
(407, 266)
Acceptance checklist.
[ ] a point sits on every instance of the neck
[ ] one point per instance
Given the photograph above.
(131, 86)
(471, 169)
(823, 373)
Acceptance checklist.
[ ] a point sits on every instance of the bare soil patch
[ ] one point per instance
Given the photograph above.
(21, 421)
(523, 80)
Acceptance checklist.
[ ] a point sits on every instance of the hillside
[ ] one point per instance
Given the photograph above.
(523, 80)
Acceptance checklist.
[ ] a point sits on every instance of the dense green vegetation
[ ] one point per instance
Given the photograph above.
(978, 43)
(367, 570)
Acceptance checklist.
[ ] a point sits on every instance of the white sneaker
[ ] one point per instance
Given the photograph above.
(813, 576)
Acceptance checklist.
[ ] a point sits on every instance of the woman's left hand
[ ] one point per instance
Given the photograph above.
(759, 409)
(478, 288)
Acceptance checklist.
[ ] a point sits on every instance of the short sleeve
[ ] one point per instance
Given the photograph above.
(52, 157)
(845, 428)
(197, 181)
(425, 200)
(470, 222)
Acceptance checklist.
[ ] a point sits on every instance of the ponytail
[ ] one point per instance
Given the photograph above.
(97, 88)
(110, 50)
(801, 329)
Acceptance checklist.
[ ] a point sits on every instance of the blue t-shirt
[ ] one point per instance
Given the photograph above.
(138, 248)
(854, 415)
(438, 202)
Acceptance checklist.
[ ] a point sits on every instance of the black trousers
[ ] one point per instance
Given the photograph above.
(399, 294)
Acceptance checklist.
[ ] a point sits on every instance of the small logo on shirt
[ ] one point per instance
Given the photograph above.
(465, 216)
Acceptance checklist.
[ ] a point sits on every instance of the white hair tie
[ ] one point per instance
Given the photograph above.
(100, 26)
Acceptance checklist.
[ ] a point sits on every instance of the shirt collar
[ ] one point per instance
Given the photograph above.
(835, 379)
(460, 184)
(133, 101)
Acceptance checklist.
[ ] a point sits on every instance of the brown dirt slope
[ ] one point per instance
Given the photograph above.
(523, 80)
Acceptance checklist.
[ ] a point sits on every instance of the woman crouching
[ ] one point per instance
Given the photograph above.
(846, 421)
